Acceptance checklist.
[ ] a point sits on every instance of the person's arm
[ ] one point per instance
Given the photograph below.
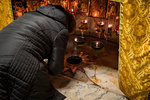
(3, 84)
(56, 61)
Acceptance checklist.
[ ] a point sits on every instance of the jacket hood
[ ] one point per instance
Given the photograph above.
(55, 12)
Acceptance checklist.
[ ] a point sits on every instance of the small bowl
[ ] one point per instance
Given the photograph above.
(97, 45)
(79, 40)
(74, 60)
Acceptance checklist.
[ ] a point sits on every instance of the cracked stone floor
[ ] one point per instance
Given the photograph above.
(95, 83)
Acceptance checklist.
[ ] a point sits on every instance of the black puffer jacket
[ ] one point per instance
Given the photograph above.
(25, 43)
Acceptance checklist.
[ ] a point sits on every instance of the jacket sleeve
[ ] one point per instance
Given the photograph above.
(3, 84)
(56, 61)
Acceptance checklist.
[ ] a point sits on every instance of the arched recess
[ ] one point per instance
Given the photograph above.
(6, 13)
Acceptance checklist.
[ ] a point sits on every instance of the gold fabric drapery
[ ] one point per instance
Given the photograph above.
(6, 16)
(134, 49)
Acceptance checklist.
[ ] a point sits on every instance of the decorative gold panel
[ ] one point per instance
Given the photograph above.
(5, 13)
(134, 50)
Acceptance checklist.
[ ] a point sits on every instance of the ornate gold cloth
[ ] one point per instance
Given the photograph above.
(134, 49)
(6, 16)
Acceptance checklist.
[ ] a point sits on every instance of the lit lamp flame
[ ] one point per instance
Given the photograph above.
(102, 23)
(85, 21)
(117, 17)
(64, 4)
(87, 14)
(95, 14)
(82, 33)
(75, 3)
(109, 28)
(48, 2)
(71, 10)
(97, 44)
(75, 39)
(110, 25)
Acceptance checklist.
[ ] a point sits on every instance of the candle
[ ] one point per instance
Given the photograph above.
(109, 28)
(76, 39)
(117, 17)
(48, 2)
(72, 10)
(110, 25)
(85, 21)
(79, 40)
(95, 14)
(75, 3)
(87, 14)
(97, 43)
(64, 4)
(102, 23)
(82, 33)
(85, 26)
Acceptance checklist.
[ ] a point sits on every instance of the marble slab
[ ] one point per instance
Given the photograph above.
(105, 77)
(84, 85)
(78, 90)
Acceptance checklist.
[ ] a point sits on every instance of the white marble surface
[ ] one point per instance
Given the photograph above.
(80, 91)
(105, 77)
(84, 86)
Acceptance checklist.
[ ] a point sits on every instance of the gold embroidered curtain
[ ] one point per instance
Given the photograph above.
(134, 48)
(5, 13)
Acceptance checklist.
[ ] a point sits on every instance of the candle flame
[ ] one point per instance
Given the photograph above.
(87, 14)
(95, 14)
(117, 17)
(85, 21)
(75, 3)
(102, 23)
(97, 44)
(75, 39)
(64, 2)
(110, 25)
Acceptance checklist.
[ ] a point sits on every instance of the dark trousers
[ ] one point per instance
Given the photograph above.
(42, 89)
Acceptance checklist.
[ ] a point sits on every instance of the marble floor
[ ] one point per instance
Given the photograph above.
(96, 83)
